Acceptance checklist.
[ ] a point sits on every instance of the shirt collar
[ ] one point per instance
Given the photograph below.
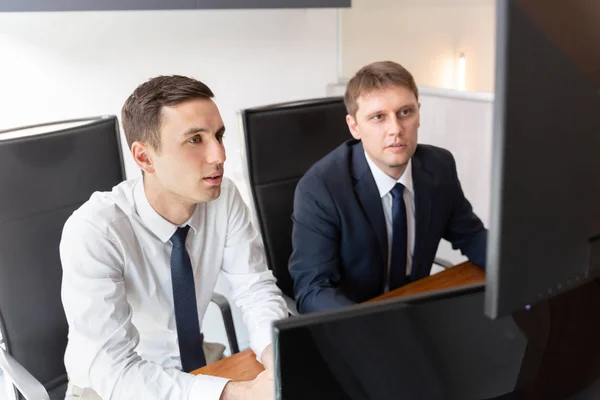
(385, 183)
(159, 226)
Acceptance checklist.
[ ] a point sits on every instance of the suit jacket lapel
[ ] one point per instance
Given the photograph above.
(423, 194)
(368, 194)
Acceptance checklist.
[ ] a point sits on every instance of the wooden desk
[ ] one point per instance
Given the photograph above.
(243, 366)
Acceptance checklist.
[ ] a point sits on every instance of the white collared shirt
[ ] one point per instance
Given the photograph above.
(385, 184)
(118, 298)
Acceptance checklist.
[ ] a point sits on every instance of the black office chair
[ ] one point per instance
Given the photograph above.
(282, 141)
(43, 179)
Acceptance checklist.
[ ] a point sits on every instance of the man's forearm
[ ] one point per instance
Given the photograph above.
(477, 250)
(326, 299)
(260, 388)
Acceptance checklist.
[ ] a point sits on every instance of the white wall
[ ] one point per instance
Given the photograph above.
(56, 66)
(462, 123)
(425, 36)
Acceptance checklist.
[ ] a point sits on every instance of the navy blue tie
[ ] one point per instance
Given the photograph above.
(399, 238)
(186, 310)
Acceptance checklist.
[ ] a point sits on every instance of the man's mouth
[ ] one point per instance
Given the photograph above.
(214, 179)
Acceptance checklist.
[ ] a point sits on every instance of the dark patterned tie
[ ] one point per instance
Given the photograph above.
(186, 310)
(399, 238)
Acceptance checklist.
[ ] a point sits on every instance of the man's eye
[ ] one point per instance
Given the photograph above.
(194, 139)
(377, 117)
(220, 138)
(406, 111)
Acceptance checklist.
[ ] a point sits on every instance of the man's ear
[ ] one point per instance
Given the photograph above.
(142, 157)
(353, 126)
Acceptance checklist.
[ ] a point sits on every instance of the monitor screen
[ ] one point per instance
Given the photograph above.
(545, 214)
(441, 346)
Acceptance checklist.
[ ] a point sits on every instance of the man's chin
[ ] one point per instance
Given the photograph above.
(209, 194)
(397, 162)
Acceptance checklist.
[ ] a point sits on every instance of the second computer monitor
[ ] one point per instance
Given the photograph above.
(545, 214)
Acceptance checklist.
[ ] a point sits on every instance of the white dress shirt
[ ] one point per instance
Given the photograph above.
(385, 184)
(118, 298)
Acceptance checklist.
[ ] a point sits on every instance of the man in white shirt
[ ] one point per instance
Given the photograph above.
(140, 263)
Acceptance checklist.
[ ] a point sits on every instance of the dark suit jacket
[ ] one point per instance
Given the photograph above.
(339, 236)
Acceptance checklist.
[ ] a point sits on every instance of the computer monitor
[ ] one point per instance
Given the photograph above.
(544, 233)
(440, 345)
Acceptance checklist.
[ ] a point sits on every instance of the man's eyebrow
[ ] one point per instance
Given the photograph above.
(407, 105)
(194, 130)
(372, 113)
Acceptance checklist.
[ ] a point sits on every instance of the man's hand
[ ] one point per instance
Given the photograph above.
(261, 388)
(267, 358)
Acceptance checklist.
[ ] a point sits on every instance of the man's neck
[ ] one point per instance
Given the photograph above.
(168, 205)
(394, 173)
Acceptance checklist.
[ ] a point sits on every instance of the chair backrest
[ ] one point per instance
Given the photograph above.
(282, 142)
(44, 177)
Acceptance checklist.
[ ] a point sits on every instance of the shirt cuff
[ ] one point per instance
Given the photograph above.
(207, 387)
(261, 339)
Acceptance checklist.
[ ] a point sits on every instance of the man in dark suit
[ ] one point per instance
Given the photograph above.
(369, 216)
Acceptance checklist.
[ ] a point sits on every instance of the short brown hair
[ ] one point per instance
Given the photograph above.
(141, 113)
(377, 75)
